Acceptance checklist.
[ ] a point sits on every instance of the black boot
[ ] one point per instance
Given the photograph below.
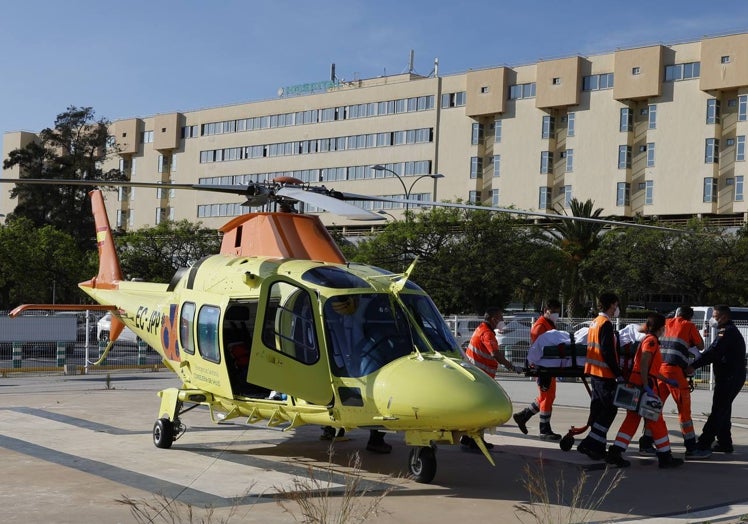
(521, 419)
(667, 460)
(646, 445)
(615, 457)
(546, 433)
(376, 442)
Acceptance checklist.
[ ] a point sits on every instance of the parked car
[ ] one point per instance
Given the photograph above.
(102, 331)
(514, 339)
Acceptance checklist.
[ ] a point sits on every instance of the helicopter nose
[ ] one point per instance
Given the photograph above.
(440, 392)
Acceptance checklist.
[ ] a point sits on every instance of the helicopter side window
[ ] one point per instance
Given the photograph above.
(207, 333)
(289, 325)
(186, 323)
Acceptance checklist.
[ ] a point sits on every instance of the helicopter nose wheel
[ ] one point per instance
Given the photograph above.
(163, 433)
(422, 464)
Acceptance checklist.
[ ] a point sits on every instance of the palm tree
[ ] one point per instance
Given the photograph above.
(576, 240)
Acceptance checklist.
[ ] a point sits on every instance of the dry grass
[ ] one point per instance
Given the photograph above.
(318, 500)
(170, 511)
(554, 502)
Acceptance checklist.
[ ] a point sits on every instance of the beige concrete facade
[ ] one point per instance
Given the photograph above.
(658, 130)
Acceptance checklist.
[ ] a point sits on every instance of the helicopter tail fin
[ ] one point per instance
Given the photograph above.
(110, 273)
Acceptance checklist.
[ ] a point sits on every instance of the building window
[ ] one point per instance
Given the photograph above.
(549, 127)
(484, 89)
(494, 197)
(597, 82)
(724, 59)
(635, 70)
(685, 71)
(497, 130)
(496, 165)
(477, 134)
(566, 192)
(519, 91)
(712, 111)
(147, 137)
(546, 162)
(449, 100)
(624, 157)
(740, 149)
(739, 188)
(556, 81)
(710, 190)
(474, 197)
(569, 154)
(623, 190)
(711, 151)
(476, 167)
(570, 123)
(648, 192)
(190, 131)
(544, 197)
(650, 154)
(743, 108)
(652, 113)
(626, 123)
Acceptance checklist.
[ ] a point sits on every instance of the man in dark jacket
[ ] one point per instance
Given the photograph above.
(727, 356)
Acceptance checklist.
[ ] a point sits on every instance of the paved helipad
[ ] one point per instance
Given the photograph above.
(70, 448)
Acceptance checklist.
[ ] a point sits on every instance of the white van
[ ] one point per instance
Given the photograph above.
(702, 314)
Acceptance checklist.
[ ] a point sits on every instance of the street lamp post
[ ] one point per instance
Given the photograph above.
(408, 190)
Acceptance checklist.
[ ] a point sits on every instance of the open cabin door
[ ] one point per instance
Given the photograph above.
(286, 354)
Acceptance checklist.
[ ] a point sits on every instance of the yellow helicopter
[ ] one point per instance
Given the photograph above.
(279, 309)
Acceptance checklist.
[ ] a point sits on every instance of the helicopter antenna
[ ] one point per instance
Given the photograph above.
(399, 284)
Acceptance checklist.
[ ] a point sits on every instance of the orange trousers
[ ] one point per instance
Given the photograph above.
(681, 395)
(631, 425)
(546, 396)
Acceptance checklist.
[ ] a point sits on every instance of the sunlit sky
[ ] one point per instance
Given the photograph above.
(136, 59)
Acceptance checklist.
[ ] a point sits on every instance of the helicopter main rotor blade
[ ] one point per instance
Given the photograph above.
(328, 203)
(553, 216)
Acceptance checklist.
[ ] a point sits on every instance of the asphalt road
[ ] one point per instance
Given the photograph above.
(70, 448)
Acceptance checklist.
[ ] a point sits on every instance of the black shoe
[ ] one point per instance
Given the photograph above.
(521, 420)
(470, 444)
(723, 448)
(668, 461)
(549, 435)
(646, 446)
(615, 457)
(377, 444)
(590, 452)
(698, 454)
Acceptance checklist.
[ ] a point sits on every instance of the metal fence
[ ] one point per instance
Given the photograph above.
(31, 350)
(515, 339)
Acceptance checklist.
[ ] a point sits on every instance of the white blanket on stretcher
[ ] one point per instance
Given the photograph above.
(554, 337)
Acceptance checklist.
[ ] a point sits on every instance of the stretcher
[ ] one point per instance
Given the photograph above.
(559, 354)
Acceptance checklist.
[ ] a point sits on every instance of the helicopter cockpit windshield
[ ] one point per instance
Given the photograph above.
(369, 330)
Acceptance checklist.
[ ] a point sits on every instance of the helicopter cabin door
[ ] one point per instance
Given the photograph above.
(286, 355)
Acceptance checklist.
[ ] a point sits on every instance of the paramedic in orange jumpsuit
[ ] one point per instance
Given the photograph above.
(546, 385)
(483, 351)
(680, 335)
(645, 374)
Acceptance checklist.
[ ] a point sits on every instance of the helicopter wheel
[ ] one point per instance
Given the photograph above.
(422, 464)
(566, 442)
(163, 433)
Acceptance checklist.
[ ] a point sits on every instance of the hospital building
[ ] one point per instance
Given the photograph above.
(658, 130)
